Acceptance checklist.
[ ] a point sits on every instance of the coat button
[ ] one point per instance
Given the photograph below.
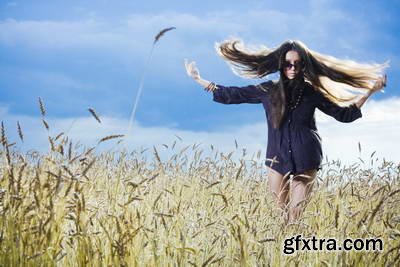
(290, 151)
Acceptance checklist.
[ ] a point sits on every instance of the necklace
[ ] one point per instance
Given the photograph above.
(291, 106)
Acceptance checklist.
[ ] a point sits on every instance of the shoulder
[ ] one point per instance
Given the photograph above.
(309, 87)
(266, 86)
(311, 90)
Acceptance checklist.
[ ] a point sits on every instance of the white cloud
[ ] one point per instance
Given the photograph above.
(378, 130)
(127, 40)
(51, 79)
(57, 34)
(320, 26)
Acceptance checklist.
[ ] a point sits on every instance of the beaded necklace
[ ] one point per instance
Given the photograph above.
(291, 106)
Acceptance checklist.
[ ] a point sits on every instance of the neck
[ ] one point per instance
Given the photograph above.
(294, 83)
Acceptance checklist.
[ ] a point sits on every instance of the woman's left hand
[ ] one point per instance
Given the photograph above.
(379, 84)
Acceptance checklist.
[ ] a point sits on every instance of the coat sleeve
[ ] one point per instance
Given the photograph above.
(237, 95)
(342, 114)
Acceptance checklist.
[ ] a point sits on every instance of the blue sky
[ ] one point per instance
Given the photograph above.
(80, 54)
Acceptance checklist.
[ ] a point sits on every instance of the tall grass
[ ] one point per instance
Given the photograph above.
(72, 206)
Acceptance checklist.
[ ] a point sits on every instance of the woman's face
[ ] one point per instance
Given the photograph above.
(292, 64)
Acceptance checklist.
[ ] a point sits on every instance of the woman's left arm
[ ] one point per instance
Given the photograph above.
(379, 84)
(350, 113)
(342, 114)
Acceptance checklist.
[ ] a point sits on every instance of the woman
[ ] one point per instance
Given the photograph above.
(308, 80)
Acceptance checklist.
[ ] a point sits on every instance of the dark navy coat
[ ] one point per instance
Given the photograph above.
(296, 146)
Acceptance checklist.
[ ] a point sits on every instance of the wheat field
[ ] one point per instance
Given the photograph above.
(75, 206)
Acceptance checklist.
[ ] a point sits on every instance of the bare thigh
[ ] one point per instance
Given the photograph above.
(302, 184)
(278, 184)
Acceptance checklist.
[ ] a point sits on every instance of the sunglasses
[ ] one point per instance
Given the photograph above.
(297, 65)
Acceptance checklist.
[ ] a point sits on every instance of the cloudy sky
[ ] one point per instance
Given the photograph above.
(80, 54)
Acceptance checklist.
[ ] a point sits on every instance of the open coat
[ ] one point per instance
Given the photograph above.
(296, 146)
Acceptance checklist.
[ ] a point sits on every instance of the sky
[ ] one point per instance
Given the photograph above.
(81, 54)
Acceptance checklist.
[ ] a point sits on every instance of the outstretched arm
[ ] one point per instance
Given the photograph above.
(226, 94)
(250, 94)
(342, 114)
(350, 113)
(193, 72)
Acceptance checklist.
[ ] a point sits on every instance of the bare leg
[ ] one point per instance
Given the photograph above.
(279, 187)
(300, 191)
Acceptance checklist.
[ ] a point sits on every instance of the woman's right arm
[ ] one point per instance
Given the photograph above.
(226, 94)
(250, 94)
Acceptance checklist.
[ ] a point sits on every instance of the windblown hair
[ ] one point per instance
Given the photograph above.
(337, 79)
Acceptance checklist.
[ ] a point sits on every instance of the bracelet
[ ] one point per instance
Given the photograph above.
(211, 87)
(208, 87)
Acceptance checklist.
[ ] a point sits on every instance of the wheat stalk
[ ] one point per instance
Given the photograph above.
(21, 136)
(3, 135)
(131, 211)
(132, 117)
(93, 112)
(46, 125)
(110, 137)
(42, 108)
(58, 136)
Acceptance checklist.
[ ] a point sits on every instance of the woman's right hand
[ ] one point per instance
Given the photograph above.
(192, 70)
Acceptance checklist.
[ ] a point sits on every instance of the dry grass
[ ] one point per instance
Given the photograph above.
(72, 207)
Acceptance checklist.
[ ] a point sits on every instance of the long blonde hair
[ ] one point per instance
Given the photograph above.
(334, 77)
(338, 79)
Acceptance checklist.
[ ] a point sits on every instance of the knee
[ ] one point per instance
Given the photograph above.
(274, 190)
(306, 177)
